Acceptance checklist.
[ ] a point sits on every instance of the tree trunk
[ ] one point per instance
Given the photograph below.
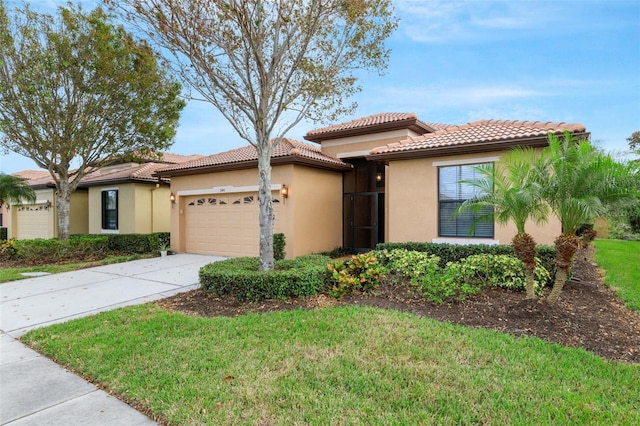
(63, 206)
(525, 248)
(531, 290)
(566, 247)
(561, 278)
(266, 209)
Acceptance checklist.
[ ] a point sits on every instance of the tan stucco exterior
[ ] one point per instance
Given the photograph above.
(142, 208)
(361, 145)
(412, 202)
(30, 221)
(310, 218)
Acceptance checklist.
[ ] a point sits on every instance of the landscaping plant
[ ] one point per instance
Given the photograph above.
(360, 272)
(513, 191)
(579, 183)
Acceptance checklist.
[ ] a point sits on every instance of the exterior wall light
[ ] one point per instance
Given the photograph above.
(284, 191)
(172, 198)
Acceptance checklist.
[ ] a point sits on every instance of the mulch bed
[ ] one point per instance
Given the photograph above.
(588, 313)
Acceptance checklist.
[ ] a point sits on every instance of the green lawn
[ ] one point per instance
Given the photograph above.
(339, 365)
(13, 274)
(621, 261)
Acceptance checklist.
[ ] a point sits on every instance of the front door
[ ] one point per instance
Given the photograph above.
(363, 206)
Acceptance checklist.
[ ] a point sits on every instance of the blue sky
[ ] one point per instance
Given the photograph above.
(460, 61)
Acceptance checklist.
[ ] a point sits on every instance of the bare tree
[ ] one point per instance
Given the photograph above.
(76, 91)
(267, 65)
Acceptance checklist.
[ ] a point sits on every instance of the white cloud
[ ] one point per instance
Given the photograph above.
(436, 21)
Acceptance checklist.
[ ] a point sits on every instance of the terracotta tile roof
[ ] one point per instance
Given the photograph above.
(286, 149)
(439, 126)
(373, 123)
(35, 177)
(130, 172)
(135, 172)
(168, 157)
(479, 132)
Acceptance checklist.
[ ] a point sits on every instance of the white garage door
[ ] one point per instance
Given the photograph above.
(33, 222)
(225, 225)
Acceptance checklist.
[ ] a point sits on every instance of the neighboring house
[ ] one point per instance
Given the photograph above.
(121, 198)
(386, 177)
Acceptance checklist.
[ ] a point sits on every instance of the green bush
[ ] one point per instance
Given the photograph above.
(447, 285)
(3, 233)
(456, 252)
(239, 277)
(338, 252)
(408, 264)
(498, 271)
(43, 251)
(80, 247)
(361, 272)
(278, 246)
(8, 249)
(138, 243)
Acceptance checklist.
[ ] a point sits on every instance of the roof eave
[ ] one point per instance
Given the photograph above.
(276, 161)
(472, 148)
(412, 124)
(120, 181)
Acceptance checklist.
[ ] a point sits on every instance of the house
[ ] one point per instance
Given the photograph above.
(385, 177)
(124, 197)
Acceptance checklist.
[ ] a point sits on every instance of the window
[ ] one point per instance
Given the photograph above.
(451, 194)
(110, 209)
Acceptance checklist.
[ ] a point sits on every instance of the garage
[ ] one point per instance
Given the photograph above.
(34, 221)
(224, 224)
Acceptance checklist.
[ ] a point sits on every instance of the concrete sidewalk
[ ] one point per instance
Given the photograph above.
(35, 390)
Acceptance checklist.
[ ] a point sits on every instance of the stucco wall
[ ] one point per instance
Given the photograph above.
(412, 203)
(310, 218)
(316, 197)
(362, 144)
(79, 213)
(142, 208)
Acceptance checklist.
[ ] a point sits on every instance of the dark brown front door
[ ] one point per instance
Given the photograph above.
(363, 206)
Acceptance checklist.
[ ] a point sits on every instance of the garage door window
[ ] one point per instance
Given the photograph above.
(110, 209)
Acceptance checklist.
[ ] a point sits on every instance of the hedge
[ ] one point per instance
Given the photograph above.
(239, 277)
(456, 252)
(81, 247)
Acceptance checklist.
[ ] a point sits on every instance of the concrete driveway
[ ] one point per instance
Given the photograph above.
(35, 390)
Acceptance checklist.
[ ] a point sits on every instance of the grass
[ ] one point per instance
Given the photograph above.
(13, 274)
(339, 365)
(621, 261)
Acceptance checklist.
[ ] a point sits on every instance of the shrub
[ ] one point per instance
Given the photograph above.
(278, 246)
(138, 243)
(448, 285)
(337, 252)
(361, 272)
(3, 233)
(408, 264)
(456, 252)
(8, 249)
(239, 277)
(499, 271)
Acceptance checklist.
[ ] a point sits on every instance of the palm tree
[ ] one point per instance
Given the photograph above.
(578, 182)
(14, 189)
(513, 192)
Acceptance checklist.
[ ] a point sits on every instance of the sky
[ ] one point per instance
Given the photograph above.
(460, 61)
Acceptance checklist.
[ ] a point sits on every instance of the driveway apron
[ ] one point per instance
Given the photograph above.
(37, 391)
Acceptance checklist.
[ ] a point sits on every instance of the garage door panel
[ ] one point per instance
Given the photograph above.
(224, 226)
(33, 222)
